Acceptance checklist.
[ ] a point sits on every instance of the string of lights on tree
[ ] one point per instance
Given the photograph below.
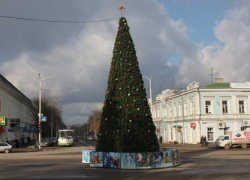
(126, 124)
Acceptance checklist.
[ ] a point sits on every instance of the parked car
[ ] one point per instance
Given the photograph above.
(54, 140)
(5, 147)
(46, 142)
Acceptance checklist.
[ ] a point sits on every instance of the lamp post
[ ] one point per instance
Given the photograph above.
(40, 105)
(150, 89)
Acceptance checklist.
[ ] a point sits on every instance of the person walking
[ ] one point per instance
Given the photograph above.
(6, 140)
(17, 143)
(202, 140)
(26, 141)
(205, 141)
(22, 140)
(161, 140)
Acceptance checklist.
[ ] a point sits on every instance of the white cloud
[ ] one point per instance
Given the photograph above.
(82, 61)
(230, 58)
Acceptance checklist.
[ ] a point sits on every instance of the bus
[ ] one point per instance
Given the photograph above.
(66, 137)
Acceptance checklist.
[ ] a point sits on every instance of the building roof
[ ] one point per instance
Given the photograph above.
(13, 89)
(218, 85)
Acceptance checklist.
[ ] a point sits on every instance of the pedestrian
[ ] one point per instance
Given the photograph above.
(17, 143)
(6, 140)
(29, 140)
(202, 140)
(205, 141)
(22, 140)
(26, 141)
(161, 140)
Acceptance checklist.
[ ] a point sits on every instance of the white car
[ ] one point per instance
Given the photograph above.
(5, 147)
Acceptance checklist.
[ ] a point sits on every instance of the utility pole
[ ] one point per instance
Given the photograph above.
(51, 124)
(212, 78)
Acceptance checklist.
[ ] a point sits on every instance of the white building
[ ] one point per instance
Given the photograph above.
(16, 109)
(210, 111)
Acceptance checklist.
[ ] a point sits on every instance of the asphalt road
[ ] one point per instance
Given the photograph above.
(65, 163)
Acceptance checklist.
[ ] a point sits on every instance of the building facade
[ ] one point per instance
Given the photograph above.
(16, 111)
(209, 111)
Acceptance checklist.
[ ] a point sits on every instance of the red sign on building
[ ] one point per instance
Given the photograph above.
(193, 125)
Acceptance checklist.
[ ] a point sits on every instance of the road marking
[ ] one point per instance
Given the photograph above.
(85, 143)
(225, 163)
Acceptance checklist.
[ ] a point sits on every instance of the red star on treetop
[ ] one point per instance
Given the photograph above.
(122, 8)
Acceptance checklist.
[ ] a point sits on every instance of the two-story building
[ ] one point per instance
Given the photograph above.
(16, 118)
(210, 111)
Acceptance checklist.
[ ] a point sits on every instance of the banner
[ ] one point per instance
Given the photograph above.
(2, 121)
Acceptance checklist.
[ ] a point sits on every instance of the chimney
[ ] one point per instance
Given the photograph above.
(219, 80)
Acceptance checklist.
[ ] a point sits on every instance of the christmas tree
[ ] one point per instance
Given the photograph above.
(126, 122)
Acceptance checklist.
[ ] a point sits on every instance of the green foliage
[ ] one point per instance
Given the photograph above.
(126, 122)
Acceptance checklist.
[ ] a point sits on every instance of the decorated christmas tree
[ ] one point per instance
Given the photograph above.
(126, 122)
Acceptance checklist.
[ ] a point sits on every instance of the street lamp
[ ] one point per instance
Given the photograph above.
(150, 89)
(40, 105)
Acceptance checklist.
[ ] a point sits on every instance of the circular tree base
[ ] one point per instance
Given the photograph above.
(127, 160)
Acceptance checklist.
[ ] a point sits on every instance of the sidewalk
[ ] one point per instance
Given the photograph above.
(172, 145)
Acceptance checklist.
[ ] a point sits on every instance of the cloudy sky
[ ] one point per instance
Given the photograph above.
(178, 40)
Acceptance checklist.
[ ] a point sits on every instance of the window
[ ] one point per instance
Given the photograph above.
(191, 108)
(208, 107)
(175, 111)
(210, 134)
(241, 107)
(185, 109)
(180, 110)
(224, 107)
(226, 138)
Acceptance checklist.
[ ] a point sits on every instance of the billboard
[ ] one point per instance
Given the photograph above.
(2, 121)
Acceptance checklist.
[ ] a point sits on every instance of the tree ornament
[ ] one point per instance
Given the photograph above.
(127, 105)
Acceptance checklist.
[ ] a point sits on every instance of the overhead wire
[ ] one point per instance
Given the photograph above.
(55, 21)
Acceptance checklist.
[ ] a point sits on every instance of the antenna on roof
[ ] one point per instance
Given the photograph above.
(212, 78)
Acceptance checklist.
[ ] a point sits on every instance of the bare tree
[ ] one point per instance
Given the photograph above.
(94, 121)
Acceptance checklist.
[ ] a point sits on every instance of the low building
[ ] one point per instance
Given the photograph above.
(16, 118)
(209, 111)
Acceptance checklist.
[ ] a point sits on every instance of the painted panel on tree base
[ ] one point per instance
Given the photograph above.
(96, 159)
(128, 161)
(143, 160)
(112, 160)
(86, 155)
(176, 157)
(168, 158)
(157, 159)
